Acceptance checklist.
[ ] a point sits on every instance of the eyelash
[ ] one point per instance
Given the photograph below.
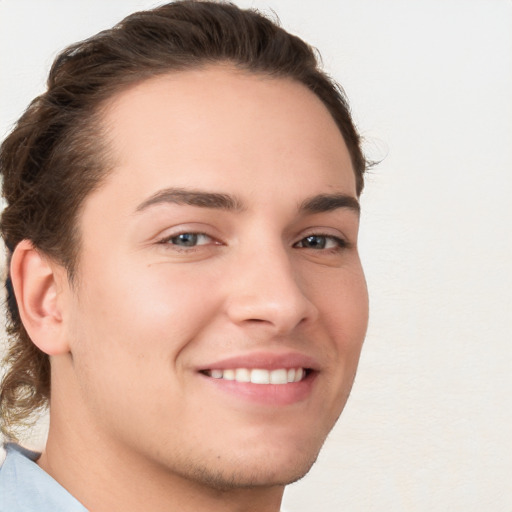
(340, 243)
(168, 240)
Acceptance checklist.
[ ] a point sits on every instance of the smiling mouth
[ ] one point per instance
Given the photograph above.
(260, 375)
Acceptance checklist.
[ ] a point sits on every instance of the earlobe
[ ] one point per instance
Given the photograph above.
(36, 283)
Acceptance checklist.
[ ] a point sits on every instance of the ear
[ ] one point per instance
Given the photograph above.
(38, 287)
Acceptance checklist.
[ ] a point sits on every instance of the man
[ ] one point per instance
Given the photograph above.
(182, 216)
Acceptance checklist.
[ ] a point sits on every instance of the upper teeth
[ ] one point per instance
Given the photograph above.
(259, 376)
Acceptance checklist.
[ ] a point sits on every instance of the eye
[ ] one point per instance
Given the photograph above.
(188, 240)
(321, 242)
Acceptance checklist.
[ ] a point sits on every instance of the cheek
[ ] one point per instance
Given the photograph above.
(343, 303)
(343, 306)
(158, 300)
(136, 326)
(346, 307)
(128, 339)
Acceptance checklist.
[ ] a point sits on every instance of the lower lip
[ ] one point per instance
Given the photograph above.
(267, 394)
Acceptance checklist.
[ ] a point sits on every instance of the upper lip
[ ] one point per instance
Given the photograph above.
(264, 360)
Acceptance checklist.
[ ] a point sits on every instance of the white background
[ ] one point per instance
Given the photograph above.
(429, 423)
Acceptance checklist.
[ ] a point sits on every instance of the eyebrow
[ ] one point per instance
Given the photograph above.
(193, 198)
(317, 204)
(328, 202)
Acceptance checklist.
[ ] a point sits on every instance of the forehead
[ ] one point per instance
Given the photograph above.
(221, 129)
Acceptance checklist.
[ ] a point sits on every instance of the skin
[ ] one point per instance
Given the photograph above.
(135, 424)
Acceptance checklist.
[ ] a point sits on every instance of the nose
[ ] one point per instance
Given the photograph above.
(266, 291)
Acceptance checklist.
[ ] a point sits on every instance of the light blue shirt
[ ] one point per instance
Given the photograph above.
(25, 487)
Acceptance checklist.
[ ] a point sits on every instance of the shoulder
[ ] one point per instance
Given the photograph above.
(25, 487)
(15, 473)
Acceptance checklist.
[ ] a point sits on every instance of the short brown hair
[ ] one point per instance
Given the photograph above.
(55, 156)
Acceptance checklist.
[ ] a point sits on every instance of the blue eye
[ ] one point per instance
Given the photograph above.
(189, 239)
(320, 242)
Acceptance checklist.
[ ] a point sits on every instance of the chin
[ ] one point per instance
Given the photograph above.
(269, 470)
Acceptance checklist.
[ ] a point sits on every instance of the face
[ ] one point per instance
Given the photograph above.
(221, 306)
